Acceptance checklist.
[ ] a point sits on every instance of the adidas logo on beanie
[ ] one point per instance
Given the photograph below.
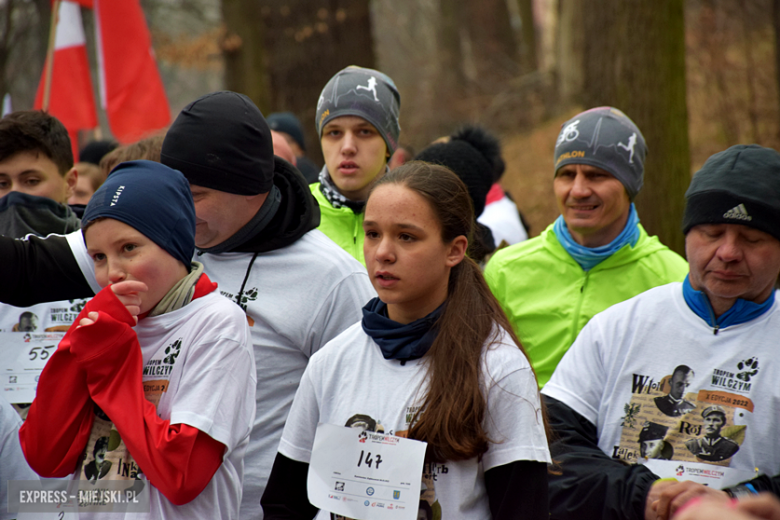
(738, 212)
(740, 185)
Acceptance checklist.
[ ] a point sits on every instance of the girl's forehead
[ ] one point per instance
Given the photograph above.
(397, 202)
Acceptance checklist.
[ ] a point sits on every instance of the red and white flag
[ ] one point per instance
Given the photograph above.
(71, 99)
(131, 89)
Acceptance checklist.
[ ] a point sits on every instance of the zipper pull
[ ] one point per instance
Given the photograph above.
(715, 330)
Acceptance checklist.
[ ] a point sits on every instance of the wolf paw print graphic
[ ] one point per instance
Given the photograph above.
(77, 305)
(249, 296)
(172, 352)
(749, 368)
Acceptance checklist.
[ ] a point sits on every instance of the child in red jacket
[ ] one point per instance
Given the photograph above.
(156, 380)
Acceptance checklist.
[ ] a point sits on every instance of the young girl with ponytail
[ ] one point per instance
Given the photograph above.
(434, 359)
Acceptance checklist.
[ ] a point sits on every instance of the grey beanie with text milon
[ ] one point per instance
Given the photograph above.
(366, 93)
(740, 185)
(606, 138)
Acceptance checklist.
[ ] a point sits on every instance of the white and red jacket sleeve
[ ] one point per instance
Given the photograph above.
(179, 460)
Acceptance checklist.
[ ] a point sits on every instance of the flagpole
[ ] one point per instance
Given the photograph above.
(55, 9)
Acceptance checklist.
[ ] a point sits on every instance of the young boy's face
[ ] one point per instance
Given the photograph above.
(34, 173)
(120, 252)
(355, 155)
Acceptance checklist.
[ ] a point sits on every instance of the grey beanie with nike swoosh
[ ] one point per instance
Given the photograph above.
(606, 138)
(366, 93)
(740, 185)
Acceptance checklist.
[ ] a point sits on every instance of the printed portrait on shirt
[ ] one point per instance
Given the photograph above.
(28, 322)
(674, 404)
(652, 444)
(99, 467)
(679, 416)
(712, 446)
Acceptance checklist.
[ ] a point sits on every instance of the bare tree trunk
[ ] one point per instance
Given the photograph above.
(528, 55)
(5, 42)
(713, 36)
(571, 41)
(309, 41)
(25, 32)
(776, 24)
(637, 64)
(492, 40)
(448, 44)
(749, 74)
(243, 47)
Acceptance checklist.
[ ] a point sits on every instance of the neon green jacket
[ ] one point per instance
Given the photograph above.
(549, 298)
(341, 225)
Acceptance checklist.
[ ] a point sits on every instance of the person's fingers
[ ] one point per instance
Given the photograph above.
(709, 509)
(129, 287)
(686, 491)
(763, 505)
(668, 494)
(665, 497)
(128, 293)
(651, 504)
(84, 322)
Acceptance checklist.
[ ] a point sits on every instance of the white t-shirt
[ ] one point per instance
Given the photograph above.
(297, 298)
(198, 371)
(504, 222)
(44, 317)
(618, 374)
(349, 382)
(13, 466)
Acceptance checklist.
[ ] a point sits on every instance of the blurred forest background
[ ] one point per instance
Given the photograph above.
(696, 75)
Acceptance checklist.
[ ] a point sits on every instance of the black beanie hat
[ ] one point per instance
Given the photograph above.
(153, 199)
(96, 150)
(289, 124)
(740, 185)
(472, 154)
(222, 141)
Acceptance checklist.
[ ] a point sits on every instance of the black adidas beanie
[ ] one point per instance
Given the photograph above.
(738, 186)
(222, 141)
(472, 154)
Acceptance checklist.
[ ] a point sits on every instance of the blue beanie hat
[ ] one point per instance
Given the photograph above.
(153, 199)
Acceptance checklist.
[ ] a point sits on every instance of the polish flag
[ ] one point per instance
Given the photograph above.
(71, 99)
(131, 89)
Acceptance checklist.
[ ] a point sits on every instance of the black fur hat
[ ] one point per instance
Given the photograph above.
(474, 155)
